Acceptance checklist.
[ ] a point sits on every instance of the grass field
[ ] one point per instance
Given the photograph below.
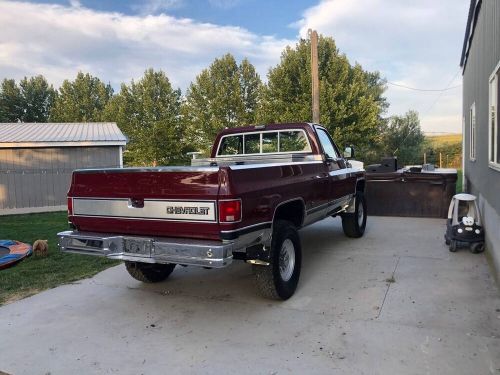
(439, 140)
(34, 274)
(444, 150)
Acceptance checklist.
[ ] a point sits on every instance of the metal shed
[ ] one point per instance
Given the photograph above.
(37, 159)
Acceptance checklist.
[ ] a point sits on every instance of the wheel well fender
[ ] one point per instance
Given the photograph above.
(291, 210)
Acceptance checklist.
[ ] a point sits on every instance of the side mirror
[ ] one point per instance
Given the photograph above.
(349, 152)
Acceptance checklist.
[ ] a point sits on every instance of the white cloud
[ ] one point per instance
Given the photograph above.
(156, 6)
(412, 43)
(75, 3)
(58, 41)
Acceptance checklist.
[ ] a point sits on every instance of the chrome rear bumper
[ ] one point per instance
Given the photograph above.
(190, 252)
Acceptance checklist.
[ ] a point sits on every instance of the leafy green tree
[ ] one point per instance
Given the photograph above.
(11, 106)
(250, 87)
(37, 98)
(223, 96)
(404, 138)
(83, 99)
(148, 112)
(351, 99)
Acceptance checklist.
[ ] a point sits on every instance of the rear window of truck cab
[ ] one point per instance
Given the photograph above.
(265, 142)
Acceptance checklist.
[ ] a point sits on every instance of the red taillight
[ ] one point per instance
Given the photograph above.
(230, 211)
(70, 206)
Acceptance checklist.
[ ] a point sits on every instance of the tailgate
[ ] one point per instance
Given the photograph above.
(162, 202)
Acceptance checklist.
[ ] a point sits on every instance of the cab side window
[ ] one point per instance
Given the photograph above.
(327, 144)
(293, 141)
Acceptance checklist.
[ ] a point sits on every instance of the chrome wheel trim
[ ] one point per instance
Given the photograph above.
(287, 260)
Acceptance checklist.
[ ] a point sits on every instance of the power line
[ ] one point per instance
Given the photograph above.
(418, 89)
(440, 94)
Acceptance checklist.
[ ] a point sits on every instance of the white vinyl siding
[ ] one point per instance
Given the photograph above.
(472, 132)
(493, 128)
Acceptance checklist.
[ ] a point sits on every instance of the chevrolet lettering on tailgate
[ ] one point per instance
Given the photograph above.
(187, 210)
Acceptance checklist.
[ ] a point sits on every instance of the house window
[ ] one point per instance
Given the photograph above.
(472, 131)
(493, 128)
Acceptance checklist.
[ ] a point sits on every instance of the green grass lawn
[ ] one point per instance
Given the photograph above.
(459, 181)
(34, 274)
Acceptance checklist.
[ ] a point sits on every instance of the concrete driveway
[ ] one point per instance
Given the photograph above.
(394, 302)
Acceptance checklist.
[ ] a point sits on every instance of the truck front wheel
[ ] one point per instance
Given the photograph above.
(279, 279)
(149, 273)
(354, 224)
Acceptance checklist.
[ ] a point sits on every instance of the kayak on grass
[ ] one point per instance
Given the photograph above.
(12, 252)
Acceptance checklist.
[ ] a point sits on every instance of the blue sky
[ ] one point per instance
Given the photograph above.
(412, 43)
(258, 16)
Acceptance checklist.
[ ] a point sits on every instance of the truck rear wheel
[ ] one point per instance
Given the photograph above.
(147, 272)
(279, 279)
(354, 224)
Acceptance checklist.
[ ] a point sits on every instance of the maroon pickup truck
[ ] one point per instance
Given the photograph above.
(247, 202)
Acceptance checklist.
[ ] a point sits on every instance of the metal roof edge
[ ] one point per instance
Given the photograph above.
(25, 132)
(474, 8)
(60, 144)
(59, 123)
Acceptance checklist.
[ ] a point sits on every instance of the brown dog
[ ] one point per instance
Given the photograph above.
(41, 248)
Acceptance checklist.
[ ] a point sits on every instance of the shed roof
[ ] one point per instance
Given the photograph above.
(36, 134)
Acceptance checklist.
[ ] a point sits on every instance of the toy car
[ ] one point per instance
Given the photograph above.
(463, 227)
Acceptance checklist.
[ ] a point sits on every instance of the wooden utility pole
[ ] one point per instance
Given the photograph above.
(314, 75)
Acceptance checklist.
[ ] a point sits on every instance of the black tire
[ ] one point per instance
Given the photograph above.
(354, 224)
(453, 246)
(149, 273)
(446, 240)
(477, 247)
(277, 282)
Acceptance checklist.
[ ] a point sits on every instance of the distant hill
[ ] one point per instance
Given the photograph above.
(439, 140)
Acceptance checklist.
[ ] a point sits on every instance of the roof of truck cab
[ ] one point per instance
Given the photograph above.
(262, 127)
